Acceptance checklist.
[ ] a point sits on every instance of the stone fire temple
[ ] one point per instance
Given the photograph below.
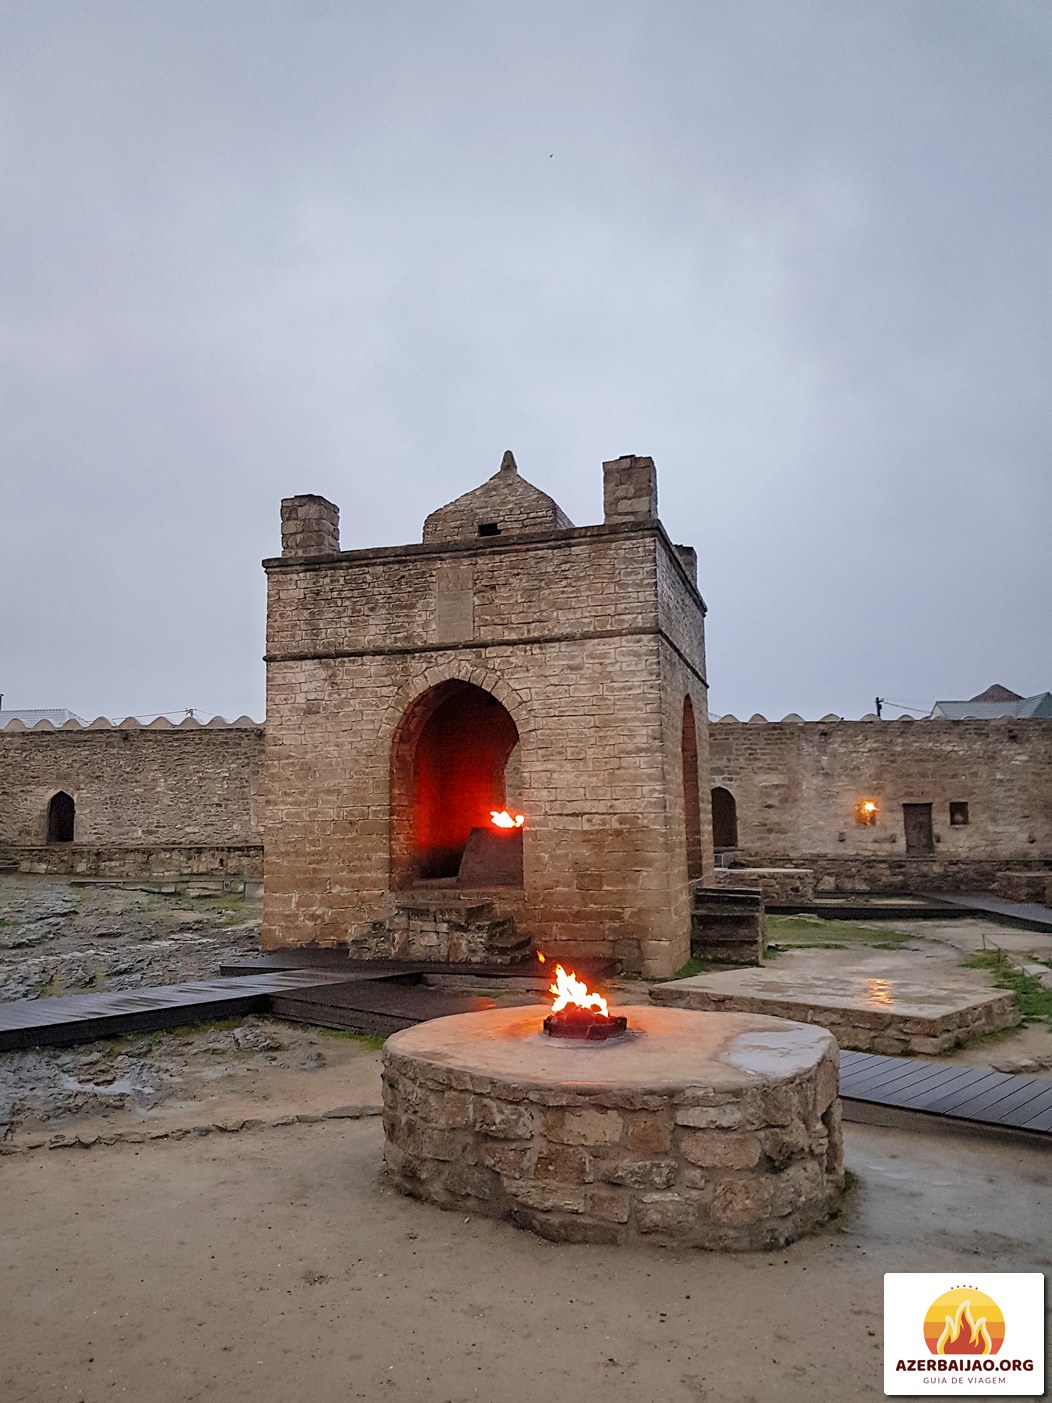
(510, 663)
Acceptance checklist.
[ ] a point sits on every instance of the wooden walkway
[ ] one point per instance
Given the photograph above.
(339, 961)
(1026, 915)
(378, 1007)
(75, 1018)
(950, 1090)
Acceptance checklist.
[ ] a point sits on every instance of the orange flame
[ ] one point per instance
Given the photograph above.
(571, 991)
(503, 819)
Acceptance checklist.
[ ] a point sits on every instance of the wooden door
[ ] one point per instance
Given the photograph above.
(920, 836)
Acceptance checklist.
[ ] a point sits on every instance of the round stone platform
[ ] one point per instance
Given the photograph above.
(716, 1130)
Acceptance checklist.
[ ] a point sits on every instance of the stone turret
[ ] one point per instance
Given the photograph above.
(629, 490)
(310, 525)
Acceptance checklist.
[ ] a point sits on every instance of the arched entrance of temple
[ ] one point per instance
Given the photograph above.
(449, 773)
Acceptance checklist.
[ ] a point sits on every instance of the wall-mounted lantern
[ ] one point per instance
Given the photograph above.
(866, 811)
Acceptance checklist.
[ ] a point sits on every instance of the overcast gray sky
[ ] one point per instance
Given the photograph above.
(797, 252)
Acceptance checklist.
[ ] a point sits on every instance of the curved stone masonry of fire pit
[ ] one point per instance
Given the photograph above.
(716, 1130)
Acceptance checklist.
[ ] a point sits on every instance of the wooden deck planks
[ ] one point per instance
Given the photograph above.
(976, 1094)
(1026, 915)
(75, 1018)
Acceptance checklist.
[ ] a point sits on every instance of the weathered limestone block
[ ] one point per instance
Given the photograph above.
(641, 1174)
(584, 1127)
(569, 1164)
(511, 1160)
(609, 1205)
(549, 1196)
(671, 1214)
(717, 1148)
(503, 1120)
(647, 1133)
(726, 1117)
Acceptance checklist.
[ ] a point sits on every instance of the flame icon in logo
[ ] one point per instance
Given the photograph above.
(964, 1321)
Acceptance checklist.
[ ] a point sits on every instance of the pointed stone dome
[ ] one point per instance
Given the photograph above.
(505, 505)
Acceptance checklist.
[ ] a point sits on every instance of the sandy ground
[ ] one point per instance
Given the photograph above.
(163, 1082)
(276, 1265)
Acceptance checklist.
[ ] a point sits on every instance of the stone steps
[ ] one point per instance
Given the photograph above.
(440, 929)
(728, 927)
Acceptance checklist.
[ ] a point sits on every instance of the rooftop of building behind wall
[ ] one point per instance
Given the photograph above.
(60, 719)
(994, 703)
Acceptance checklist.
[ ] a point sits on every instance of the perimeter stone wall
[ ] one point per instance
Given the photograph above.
(150, 801)
(796, 785)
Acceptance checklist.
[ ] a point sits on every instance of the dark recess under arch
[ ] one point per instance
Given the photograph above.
(724, 819)
(61, 816)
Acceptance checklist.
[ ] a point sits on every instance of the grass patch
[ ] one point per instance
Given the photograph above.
(845, 1204)
(995, 1035)
(373, 1041)
(692, 967)
(188, 1030)
(229, 901)
(185, 1030)
(1034, 1000)
(814, 932)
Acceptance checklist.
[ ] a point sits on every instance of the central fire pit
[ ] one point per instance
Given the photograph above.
(579, 1014)
(715, 1130)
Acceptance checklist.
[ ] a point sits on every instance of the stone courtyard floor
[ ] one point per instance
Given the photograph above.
(275, 1264)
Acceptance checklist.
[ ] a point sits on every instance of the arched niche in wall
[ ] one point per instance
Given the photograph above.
(691, 792)
(724, 819)
(61, 818)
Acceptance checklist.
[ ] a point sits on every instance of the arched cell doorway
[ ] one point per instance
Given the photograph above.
(61, 815)
(691, 793)
(449, 767)
(724, 819)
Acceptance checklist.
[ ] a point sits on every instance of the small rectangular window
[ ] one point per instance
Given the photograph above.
(958, 815)
(489, 528)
